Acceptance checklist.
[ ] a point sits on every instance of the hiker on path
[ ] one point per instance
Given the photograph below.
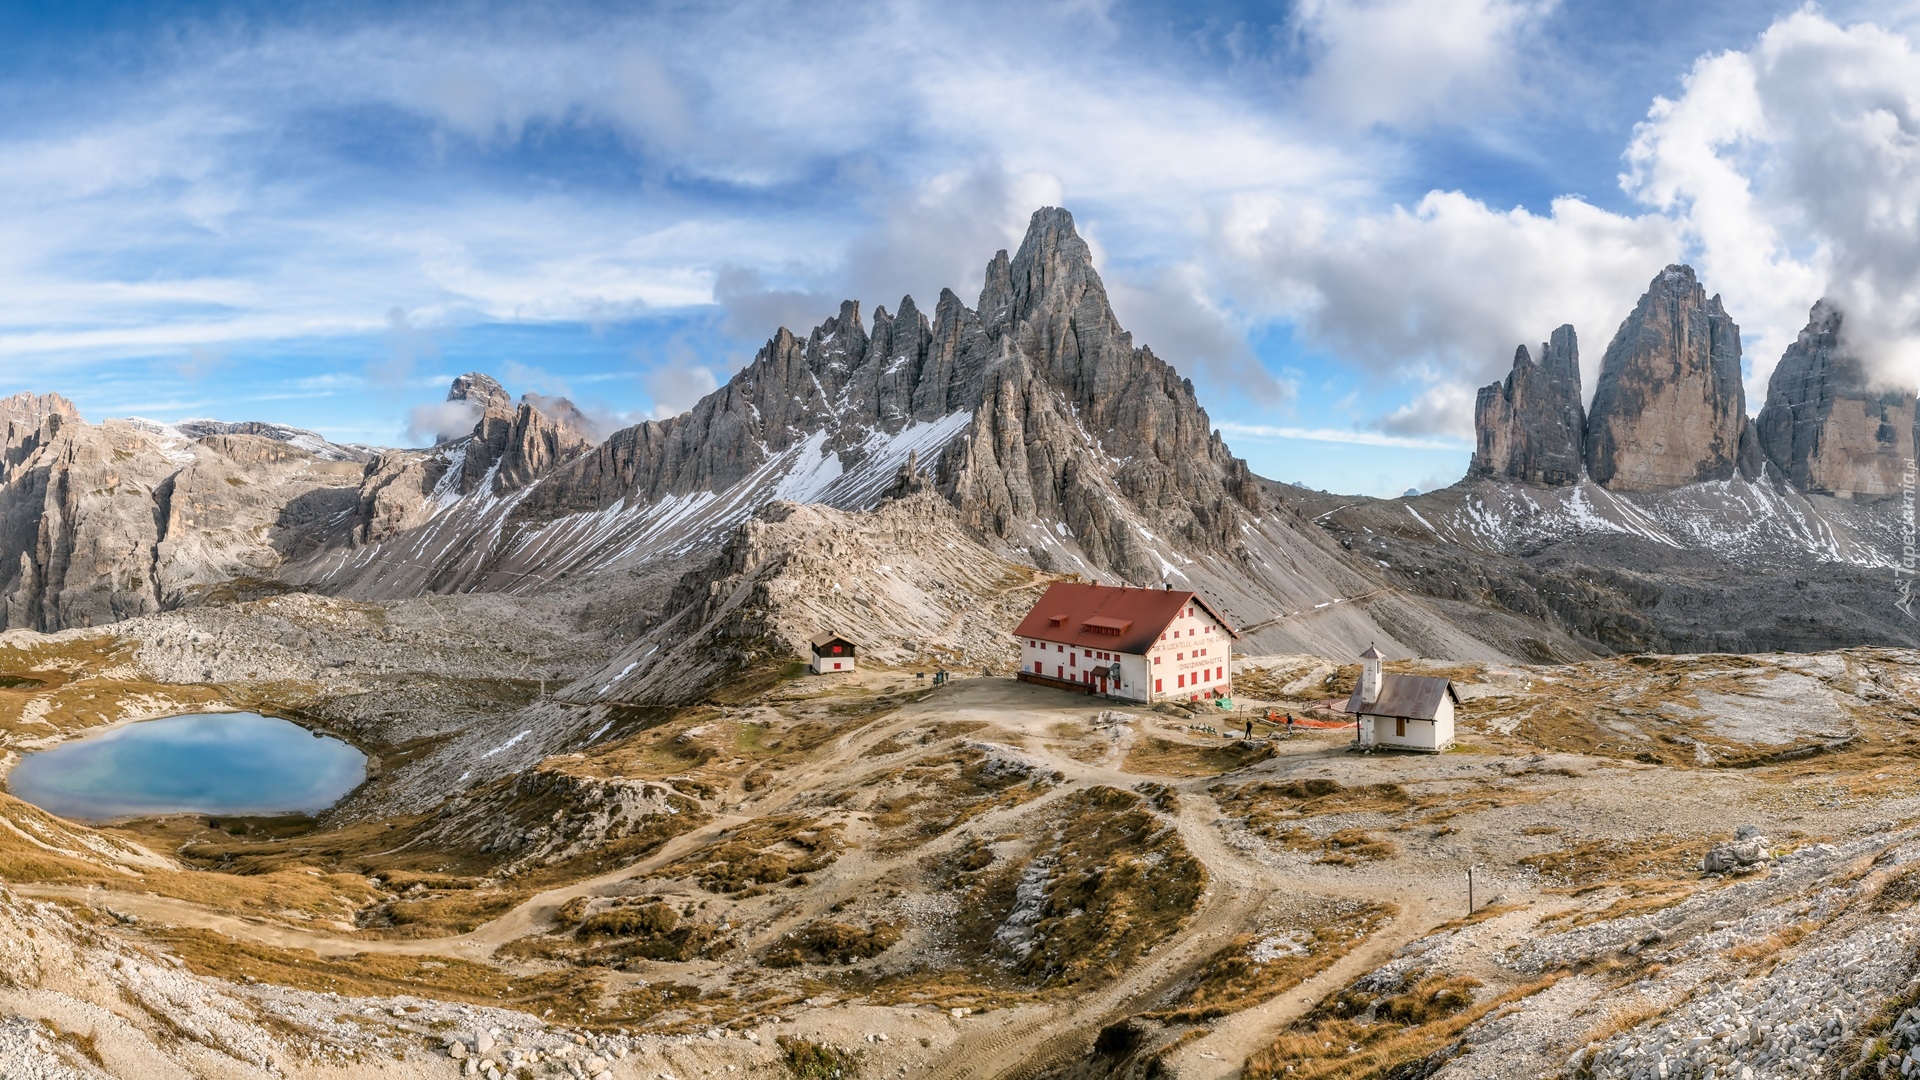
(1289, 725)
(1249, 727)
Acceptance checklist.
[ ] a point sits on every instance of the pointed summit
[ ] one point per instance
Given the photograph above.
(1052, 271)
(1669, 408)
(1531, 427)
(481, 389)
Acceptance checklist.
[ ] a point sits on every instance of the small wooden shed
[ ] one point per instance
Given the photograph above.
(831, 653)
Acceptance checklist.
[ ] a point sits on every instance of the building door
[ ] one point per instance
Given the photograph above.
(1399, 724)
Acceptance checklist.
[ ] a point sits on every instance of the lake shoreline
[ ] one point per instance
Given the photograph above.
(218, 762)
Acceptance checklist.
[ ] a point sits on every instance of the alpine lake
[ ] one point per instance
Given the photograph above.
(206, 763)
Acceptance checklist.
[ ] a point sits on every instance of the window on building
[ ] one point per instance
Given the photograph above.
(1179, 656)
(1156, 659)
(1156, 686)
(1182, 682)
(1219, 673)
(1059, 648)
(1073, 660)
(1206, 629)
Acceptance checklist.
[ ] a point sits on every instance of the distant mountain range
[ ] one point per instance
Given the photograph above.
(1649, 521)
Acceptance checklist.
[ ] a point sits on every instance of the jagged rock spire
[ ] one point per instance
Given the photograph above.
(1669, 407)
(1532, 427)
(1823, 428)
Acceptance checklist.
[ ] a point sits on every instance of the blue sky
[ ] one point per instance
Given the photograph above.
(1338, 216)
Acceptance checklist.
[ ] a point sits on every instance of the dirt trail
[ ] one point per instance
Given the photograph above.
(1220, 1053)
(1240, 889)
(1017, 1042)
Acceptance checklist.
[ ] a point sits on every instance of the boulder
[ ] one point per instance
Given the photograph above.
(1741, 855)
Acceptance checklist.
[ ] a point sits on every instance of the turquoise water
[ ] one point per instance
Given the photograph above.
(210, 763)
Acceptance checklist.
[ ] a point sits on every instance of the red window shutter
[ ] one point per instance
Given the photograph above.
(1073, 660)
(1156, 686)
(1183, 681)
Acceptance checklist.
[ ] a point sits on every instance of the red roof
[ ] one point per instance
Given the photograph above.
(1108, 616)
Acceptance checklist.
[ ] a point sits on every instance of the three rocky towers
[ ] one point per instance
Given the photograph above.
(1670, 408)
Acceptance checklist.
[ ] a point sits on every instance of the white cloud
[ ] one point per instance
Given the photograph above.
(1340, 435)
(675, 386)
(1794, 167)
(442, 420)
(1441, 293)
(1174, 311)
(1402, 61)
(1445, 408)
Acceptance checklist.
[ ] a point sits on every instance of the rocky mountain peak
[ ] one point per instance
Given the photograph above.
(481, 389)
(1823, 428)
(1532, 427)
(23, 413)
(512, 445)
(1669, 408)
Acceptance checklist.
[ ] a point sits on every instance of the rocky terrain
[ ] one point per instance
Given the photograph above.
(1706, 861)
(611, 830)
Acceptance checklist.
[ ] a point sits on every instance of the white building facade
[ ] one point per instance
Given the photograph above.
(1402, 712)
(1141, 645)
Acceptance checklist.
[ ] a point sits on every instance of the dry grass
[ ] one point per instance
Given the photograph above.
(1347, 847)
(572, 995)
(940, 791)
(1660, 858)
(73, 693)
(1899, 891)
(87, 1045)
(828, 942)
(1236, 977)
(1318, 1047)
(1771, 946)
(1154, 756)
(1270, 808)
(1619, 1020)
(1642, 898)
(766, 851)
(1117, 882)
